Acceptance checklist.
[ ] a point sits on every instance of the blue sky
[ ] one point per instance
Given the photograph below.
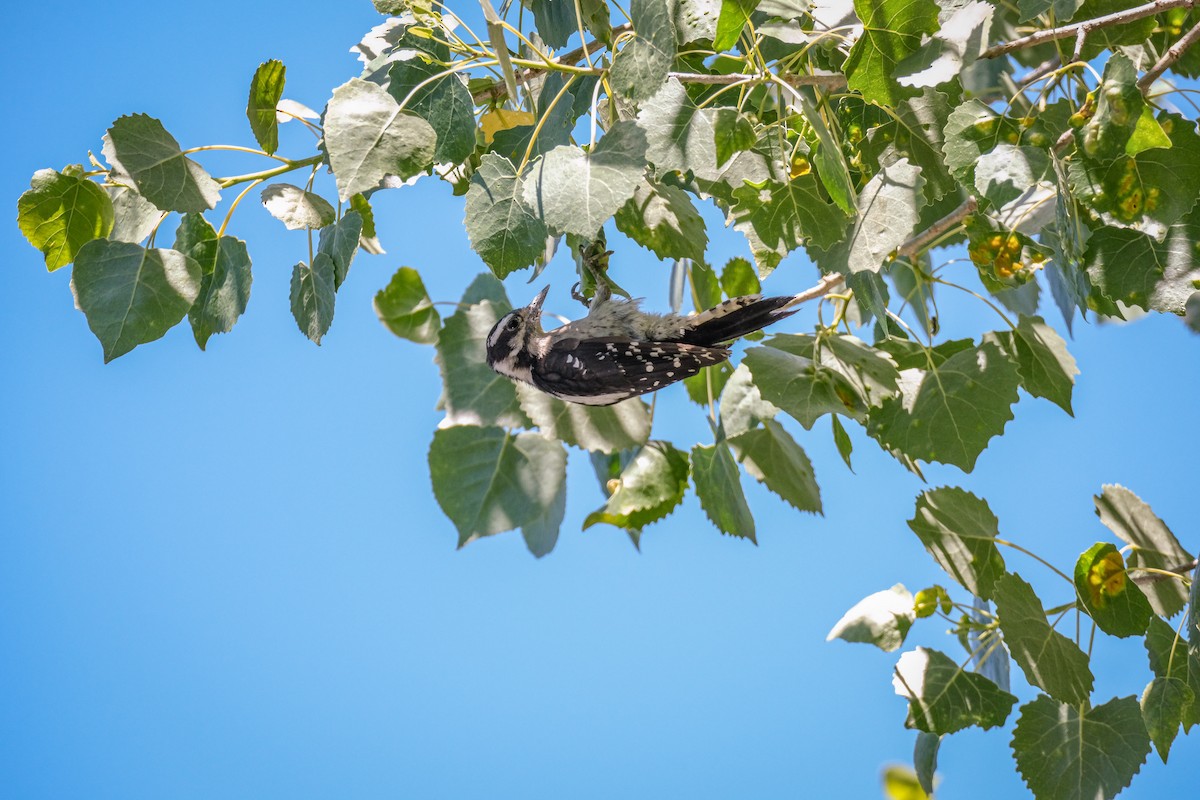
(223, 574)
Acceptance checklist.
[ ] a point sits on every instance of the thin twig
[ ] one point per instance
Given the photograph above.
(832, 80)
(1170, 57)
(822, 288)
(497, 90)
(1039, 72)
(1162, 575)
(931, 234)
(1086, 27)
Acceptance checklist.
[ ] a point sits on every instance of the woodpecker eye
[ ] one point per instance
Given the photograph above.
(513, 324)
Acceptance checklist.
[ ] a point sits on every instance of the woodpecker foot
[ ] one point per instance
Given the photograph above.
(578, 295)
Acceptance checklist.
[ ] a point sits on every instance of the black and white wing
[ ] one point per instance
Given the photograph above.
(603, 371)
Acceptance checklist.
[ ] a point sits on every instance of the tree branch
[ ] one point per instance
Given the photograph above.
(1155, 577)
(831, 81)
(907, 250)
(931, 234)
(1170, 57)
(497, 90)
(1082, 29)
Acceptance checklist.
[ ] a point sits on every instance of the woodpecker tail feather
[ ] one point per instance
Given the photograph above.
(736, 317)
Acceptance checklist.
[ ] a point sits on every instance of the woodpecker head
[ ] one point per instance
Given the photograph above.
(510, 345)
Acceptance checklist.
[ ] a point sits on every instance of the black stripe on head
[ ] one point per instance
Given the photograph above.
(506, 336)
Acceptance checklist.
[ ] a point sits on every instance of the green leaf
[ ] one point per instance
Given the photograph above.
(488, 480)
(732, 133)
(696, 19)
(369, 137)
(915, 131)
(649, 488)
(1163, 705)
(925, 753)
(733, 18)
(143, 154)
(61, 213)
(297, 209)
(715, 475)
(679, 136)
(474, 394)
(1154, 545)
(1118, 109)
(1131, 268)
(1065, 754)
(368, 241)
(871, 374)
(604, 429)
(1063, 9)
(778, 217)
(892, 31)
(340, 242)
(193, 231)
(577, 192)
(761, 165)
(555, 21)
(663, 219)
(772, 457)
(1148, 192)
(738, 278)
(742, 405)
(1047, 370)
(944, 698)
(842, 439)
(313, 296)
(504, 231)
(959, 531)
(553, 121)
(828, 155)
(266, 90)
(1108, 593)
(887, 214)
(882, 619)
(706, 285)
(132, 295)
(1169, 658)
(1147, 134)
(972, 129)
(404, 307)
(1010, 174)
(799, 387)
(445, 103)
(134, 217)
(641, 66)
(541, 533)
(224, 285)
(1049, 660)
(959, 41)
(950, 413)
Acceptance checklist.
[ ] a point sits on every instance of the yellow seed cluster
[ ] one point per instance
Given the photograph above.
(1001, 253)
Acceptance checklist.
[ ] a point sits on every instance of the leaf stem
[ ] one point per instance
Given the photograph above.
(237, 149)
(1035, 557)
(542, 121)
(290, 166)
(234, 205)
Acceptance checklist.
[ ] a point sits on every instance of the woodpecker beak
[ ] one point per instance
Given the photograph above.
(534, 308)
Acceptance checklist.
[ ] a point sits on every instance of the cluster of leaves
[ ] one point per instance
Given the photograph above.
(1063, 745)
(870, 134)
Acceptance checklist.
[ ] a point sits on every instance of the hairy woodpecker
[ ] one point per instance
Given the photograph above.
(619, 351)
